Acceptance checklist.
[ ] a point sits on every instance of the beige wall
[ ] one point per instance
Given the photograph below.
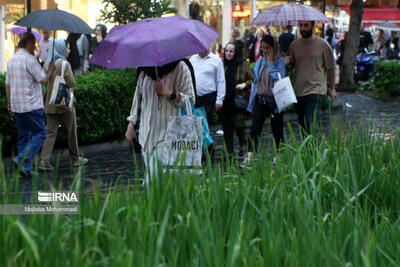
(78, 7)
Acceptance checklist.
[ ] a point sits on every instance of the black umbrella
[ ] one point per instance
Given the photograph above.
(54, 19)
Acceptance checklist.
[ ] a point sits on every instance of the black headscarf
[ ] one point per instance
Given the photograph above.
(103, 29)
(329, 33)
(165, 69)
(231, 67)
(73, 57)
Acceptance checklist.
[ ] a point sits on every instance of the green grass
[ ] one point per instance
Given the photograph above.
(331, 201)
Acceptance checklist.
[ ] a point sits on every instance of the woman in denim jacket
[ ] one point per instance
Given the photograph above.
(262, 102)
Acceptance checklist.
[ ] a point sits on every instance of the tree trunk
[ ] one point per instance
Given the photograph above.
(351, 45)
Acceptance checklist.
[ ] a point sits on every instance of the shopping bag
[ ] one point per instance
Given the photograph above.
(61, 96)
(283, 93)
(182, 145)
(207, 139)
(200, 112)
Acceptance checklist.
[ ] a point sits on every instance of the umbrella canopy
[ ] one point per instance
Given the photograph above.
(288, 14)
(387, 26)
(22, 30)
(153, 42)
(54, 19)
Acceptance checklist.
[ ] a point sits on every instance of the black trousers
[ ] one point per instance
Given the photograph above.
(261, 112)
(208, 103)
(308, 111)
(231, 124)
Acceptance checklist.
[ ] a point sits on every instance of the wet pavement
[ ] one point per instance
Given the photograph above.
(117, 164)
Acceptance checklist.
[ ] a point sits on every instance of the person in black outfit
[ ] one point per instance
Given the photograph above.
(393, 46)
(285, 39)
(365, 39)
(251, 40)
(342, 45)
(238, 77)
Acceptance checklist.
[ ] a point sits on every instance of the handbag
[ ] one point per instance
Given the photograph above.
(241, 102)
(283, 93)
(183, 142)
(266, 100)
(61, 96)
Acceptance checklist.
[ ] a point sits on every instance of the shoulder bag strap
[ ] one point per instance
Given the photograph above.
(64, 65)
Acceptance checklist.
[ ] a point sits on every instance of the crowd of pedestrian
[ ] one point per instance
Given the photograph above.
(224, 85)
(227, 88)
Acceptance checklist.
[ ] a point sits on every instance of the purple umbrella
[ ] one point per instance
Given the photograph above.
(22, 30)
(153, 42)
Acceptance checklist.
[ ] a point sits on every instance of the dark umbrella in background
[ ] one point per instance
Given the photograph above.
(55, 19)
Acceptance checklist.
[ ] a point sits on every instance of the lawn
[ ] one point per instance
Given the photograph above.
(329, 201)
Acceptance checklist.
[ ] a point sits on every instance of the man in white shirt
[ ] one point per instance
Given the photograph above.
(44, 46)
(210, 83)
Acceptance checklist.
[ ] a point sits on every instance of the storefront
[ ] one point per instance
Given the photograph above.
(240, 13)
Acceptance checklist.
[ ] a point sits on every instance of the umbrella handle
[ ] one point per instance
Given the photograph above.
(159, 100)
(54, 39)
(156, 73)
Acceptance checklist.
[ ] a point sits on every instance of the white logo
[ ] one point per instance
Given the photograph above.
(58, 197)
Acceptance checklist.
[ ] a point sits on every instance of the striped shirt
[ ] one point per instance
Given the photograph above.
(24, 74)
(155, 111)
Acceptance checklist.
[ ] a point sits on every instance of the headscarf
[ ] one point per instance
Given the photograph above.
(60, 47)
(329, 33)
(165, 69)
(103, 29)
(231, 67)
(73, 57)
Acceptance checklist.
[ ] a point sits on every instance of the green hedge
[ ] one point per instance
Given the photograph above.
(8, 131)
(103, 101)
(387, 79)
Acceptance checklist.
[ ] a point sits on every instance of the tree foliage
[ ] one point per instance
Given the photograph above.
(126, 11)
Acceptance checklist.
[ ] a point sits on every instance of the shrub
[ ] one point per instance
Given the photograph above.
(103, 101)
(387, 80)
(8, 130)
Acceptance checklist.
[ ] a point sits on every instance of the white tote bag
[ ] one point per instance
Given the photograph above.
(61, 96)
(283, 93)
(183, 142)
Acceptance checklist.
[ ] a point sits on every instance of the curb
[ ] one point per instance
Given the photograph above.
(83, 150)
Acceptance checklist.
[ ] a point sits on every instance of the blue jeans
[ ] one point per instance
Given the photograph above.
(308, 108)
(31, 135)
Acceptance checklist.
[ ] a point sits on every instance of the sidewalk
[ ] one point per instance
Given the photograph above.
(110, 163)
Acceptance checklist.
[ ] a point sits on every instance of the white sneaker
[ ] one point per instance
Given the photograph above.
(274, 161)
(80, 161)
(220, 133)
(245, 163)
